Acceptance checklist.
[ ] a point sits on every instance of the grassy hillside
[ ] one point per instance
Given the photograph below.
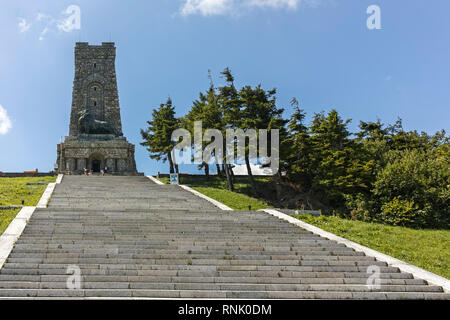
(427, 249)
(14, 190)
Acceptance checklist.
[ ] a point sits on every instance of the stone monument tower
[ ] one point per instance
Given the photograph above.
(95, 138)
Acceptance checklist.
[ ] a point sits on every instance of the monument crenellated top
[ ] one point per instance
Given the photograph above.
(86, 44)
(83, 51)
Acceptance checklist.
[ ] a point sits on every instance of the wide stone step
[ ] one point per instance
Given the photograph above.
(156, 223)
(324, 273)
(222, 286)
(278, 271)
(205, 232)
(146, 249)
(196, 246)
(151, 220)
(246, 239)
(190, 261)
(87, 245)
(113, 266)
(352, 278)
(206, 255)
(188, 253)
(201, 252)
(387, 285)
(207, 294)
(186, 242)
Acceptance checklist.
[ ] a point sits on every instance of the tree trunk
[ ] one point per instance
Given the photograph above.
(250, 176)
(169, 157)
(277, 180)
(206, 171)
(219, 173)
(229, 181)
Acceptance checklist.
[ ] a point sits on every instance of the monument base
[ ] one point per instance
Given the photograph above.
(96, 153)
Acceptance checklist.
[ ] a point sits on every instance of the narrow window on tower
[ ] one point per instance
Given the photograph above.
(95, 103)
(95, 65)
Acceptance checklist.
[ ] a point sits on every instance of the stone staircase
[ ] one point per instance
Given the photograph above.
(132, 238)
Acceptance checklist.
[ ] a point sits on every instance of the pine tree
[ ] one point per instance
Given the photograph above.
(258, 110)
(206, 109)
(337, 168)
(296, 149)
(157, 136)
(228, 101)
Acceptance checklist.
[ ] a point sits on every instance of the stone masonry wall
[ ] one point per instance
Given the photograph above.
(116, 155)
(95, 83)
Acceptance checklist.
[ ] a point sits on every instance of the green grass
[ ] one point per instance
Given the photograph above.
(14, 190)
(6, 216)
(236, 201)
(216, 188)
(427, 249)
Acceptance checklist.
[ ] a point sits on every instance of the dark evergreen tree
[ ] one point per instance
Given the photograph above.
(157, 136)
(206, 109)
(296, 149)
(337, 168)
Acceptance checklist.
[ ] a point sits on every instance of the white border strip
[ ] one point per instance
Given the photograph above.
(13, 232)
(59, 179)
(417, 272)
(201, 195)
(154, 180)
(46, 196)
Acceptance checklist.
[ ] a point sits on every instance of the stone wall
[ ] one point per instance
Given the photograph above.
(116, 155)
(24, 174)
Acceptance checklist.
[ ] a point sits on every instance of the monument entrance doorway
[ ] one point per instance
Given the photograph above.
(96, 165)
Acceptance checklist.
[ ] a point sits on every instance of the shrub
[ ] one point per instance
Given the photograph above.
(359, 206)
(401, 213)
(413, 189)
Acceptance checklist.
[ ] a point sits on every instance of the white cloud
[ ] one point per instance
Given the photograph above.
(291, 4)
(221, 7)
(23, 25)
(5, 121)
(44, 32)
(70, 21)
(207, 7)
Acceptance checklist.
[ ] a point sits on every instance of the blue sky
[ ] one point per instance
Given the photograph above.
(319, 51)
